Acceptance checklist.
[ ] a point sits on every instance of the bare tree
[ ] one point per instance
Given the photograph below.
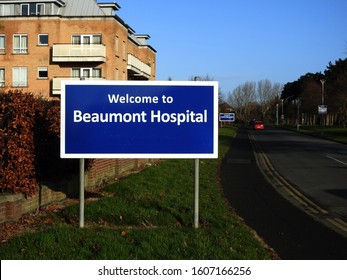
(267, 93)
(254, 100)
(242, 99)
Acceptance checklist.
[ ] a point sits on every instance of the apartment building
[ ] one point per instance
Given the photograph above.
(45, 41)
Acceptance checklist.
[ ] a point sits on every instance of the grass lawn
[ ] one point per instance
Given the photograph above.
(148, 215)
(335, 133)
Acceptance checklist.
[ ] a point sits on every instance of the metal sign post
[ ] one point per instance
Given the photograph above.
(81, 214)
(322, 111)
(196, 194)
(226, 117)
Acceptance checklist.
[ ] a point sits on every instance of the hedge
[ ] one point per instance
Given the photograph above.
(29, 125)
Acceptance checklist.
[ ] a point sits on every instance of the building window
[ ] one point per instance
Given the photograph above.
(97, 39)
(43, 39)
(76, 39)
(2, 44)
(2, 77)
(20, 76)
(86, 39)
(40, 9)
(20, 43)
(86, 73)
(75, 72)
(43, 73)
(96, 72)
(32, 9)
(25, 9)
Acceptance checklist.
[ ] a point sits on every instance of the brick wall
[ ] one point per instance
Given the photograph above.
(109, 170)
(10, 207)
(59, 31)
(13, 206)
(103, 171)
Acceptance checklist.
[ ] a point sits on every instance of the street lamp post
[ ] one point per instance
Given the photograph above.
(282, 115)
(323, 115)
(298, 103)
(323, 82)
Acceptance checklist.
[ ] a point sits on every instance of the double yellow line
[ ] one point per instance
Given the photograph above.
(292, 194)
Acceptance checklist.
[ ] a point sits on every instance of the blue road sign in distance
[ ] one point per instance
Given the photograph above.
(139, 119)
(227, 117)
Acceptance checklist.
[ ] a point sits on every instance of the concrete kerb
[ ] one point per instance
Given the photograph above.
(292, 193)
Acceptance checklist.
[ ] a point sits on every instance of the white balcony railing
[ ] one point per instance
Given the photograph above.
(79, 53)
(56, 83)
(138, 67)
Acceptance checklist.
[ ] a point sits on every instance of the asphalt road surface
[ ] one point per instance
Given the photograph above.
(286, 228)
(317, 167)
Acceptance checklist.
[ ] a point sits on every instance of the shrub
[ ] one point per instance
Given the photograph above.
(17, 158)
(29, 142)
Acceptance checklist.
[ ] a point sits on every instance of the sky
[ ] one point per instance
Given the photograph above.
(235, 41)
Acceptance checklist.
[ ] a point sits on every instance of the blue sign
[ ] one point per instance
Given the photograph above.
(128, 119)
(227, 117)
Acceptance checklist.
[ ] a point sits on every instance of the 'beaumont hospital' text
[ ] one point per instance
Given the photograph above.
(141, 117)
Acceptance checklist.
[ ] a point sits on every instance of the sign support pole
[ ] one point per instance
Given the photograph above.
(81, 215)
(196, 194)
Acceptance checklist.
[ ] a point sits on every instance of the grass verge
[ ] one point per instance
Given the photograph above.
(148, 215)
(334, 133)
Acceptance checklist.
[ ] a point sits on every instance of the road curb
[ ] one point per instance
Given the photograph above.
(292, 194)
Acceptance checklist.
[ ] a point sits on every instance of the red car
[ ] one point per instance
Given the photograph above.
(258, 125)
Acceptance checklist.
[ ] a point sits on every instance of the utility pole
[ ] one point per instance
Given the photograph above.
(323, 115)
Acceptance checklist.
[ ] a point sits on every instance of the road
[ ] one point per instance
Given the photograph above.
(315, 166)
(279, 217)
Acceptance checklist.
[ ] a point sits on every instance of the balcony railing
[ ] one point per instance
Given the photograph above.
(138, 67)
(79, 53)
(56, 83)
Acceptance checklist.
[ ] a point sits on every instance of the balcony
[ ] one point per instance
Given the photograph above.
(138, 69)
(79, 53)
(56, 83)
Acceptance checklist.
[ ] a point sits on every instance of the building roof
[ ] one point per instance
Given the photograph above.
(77, 8)
(60, 2)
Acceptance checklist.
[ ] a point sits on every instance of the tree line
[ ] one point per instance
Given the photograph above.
(255, 100)
(295, 102)
(303, 96)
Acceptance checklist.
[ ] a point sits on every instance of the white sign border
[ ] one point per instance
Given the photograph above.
(214, 154)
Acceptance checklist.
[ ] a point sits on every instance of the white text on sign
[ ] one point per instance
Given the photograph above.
(141, 117)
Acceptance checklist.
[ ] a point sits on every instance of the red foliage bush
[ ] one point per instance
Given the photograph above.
(17, 159)
(30, 146)
(26, 123)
